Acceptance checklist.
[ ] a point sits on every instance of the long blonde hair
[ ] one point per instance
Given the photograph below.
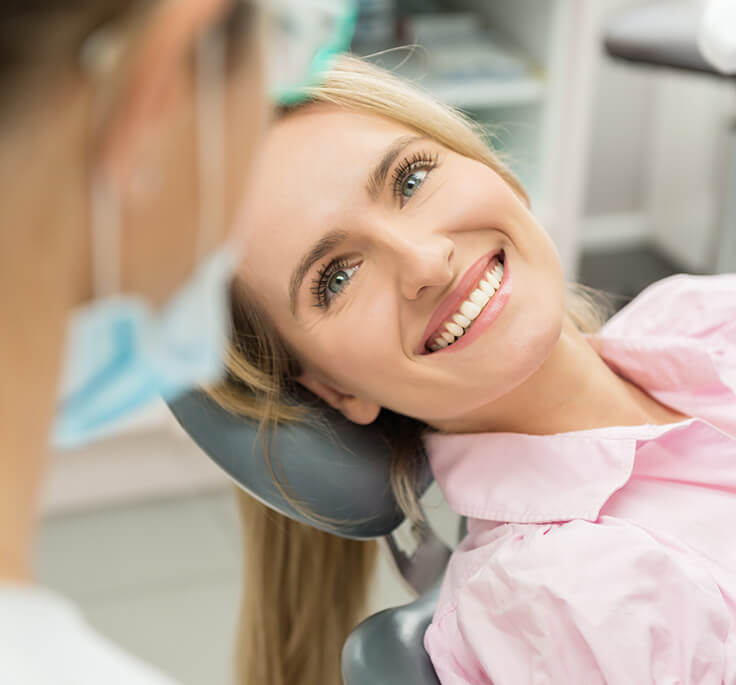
(304, 590)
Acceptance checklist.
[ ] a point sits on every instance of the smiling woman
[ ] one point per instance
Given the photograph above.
(392, 203)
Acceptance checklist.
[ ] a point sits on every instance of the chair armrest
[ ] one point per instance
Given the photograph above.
(388, 647)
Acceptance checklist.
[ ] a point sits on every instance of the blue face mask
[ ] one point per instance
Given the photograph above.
(122, 354)
(121, 351)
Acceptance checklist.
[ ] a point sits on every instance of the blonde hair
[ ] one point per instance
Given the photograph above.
(306, 589)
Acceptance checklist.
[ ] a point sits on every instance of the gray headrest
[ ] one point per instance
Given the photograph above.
(340, 472)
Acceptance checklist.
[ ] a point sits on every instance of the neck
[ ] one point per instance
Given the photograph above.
(573, 390)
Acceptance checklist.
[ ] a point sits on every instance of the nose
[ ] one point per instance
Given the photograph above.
(423, 262)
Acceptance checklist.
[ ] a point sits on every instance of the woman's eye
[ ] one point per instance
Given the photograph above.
(333, 284)
(338, 280)
(411, 173)
(412, 182)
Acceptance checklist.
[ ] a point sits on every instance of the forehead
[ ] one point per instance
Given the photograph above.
(332, 130)
(311, 178)
(318, 148)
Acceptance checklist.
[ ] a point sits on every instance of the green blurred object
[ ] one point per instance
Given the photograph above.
(305, 37)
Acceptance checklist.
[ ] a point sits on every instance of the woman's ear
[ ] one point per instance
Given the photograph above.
(353, 408)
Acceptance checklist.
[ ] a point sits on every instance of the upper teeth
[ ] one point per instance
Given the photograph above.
(469, 310)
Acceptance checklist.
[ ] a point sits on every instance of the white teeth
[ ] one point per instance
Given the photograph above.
(491, 277)
(461, 320)
(456, 330)
(479, 297)
(469, 309)
(487, 288)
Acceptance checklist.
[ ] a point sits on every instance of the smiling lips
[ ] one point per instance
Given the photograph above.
(461, 308)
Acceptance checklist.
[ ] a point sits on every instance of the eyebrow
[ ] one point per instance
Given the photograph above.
(378, 176)
(335, 238)
(320, 249)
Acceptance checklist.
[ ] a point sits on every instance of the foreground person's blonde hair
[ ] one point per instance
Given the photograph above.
(304, 590)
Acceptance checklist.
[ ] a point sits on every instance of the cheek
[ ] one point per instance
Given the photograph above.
(358, 346)
(534, 322)
(476, 185)
(535, 331)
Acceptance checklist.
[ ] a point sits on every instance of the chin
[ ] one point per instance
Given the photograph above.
(531, 338)
(490, 380)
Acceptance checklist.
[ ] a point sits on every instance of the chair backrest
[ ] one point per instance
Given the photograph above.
(334, 468)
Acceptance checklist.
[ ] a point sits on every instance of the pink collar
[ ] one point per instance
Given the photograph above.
(521, 478)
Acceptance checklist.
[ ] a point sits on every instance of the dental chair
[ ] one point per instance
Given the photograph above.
(663, 33)
(340, 472)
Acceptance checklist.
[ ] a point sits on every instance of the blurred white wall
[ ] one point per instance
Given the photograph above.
(690, 156)
(620, 133)
(658, 155)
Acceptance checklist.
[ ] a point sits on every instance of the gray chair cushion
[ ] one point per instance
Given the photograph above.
(336, 469)
(659, 33)
(388, 647)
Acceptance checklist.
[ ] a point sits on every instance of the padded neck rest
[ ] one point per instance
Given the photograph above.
(334, 468)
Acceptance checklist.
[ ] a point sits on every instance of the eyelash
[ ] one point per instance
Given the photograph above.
(418, 161)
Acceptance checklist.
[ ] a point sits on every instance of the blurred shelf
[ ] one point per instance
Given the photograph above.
(485, 93)
(463, 61)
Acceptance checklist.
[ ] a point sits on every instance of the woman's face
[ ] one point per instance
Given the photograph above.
(364, 242)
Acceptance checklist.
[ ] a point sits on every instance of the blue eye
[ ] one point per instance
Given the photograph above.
(411, 173)
(412, 182)
(336, 282)
(332, 281)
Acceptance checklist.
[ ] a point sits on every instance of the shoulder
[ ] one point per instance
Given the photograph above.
(594, 602)
(682, 305)
(505, 556)
(533, 570)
